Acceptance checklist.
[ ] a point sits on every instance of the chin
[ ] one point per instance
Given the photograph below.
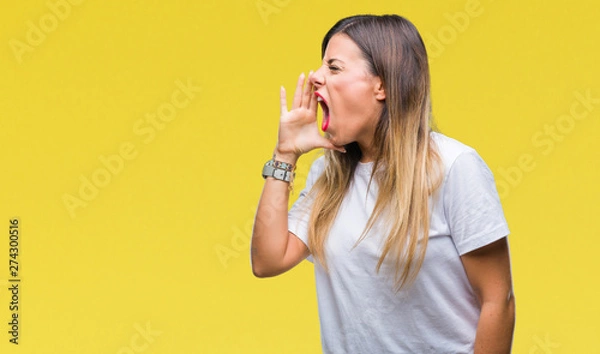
(334, 140)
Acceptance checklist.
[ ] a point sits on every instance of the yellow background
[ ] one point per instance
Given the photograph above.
(144, 251)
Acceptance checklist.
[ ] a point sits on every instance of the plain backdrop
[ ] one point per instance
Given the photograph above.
(134, 133)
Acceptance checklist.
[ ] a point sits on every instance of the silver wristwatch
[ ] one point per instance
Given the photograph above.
(271, 170)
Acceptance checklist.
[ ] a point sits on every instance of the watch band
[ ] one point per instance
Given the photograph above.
(280, 164)
(270, 170)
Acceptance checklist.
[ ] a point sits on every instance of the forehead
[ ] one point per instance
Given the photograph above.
(343, 48)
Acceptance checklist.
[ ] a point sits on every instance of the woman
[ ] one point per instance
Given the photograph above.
(403, 224)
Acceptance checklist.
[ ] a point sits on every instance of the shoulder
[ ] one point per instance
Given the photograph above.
(466, 173)
(451, 150)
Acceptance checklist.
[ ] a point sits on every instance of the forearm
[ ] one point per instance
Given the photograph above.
(272, 252)
(270, 232)
(495, 327)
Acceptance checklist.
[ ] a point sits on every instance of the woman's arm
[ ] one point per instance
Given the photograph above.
(274, 249)
(488, 270)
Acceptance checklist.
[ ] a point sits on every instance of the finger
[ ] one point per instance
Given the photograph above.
(298, 94)
(283, 100)
(307, 92)
(326, 144)
(313, 101)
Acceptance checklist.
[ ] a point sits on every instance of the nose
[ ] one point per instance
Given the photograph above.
(317, 78)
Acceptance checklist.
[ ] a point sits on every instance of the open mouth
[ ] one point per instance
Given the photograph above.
(325, 108)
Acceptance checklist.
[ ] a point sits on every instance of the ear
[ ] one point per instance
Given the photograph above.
(379, 89)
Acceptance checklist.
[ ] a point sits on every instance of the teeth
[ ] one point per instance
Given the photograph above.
(319, 99)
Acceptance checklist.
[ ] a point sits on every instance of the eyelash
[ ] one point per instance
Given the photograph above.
(333, 68)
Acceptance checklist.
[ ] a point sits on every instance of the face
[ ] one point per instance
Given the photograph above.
(351, 97)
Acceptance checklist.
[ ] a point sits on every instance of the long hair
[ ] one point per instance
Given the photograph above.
(407, 166)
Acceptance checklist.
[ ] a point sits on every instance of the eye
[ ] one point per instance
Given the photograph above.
(333, 68)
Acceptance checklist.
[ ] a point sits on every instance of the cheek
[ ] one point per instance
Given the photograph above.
(356, 103)
(350, 96)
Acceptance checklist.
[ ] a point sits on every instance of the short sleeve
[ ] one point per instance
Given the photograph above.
(300, 212)
(471, 204)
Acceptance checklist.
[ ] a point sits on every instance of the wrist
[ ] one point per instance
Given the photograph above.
(279, 170)
(287, 157)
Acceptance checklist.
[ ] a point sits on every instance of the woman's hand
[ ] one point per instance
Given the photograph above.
(298, 129)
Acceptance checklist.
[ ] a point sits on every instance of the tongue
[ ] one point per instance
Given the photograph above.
(325, 123)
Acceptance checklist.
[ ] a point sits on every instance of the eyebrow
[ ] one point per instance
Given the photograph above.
(330, 61)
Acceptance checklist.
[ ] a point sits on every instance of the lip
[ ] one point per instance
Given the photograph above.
(325, 107)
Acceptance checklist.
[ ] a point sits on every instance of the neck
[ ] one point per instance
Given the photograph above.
(365, 141)
(367, 151)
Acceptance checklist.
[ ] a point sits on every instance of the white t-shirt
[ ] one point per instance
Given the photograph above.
(358, 309)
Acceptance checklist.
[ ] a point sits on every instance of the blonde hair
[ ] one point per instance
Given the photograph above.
(407, 167)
